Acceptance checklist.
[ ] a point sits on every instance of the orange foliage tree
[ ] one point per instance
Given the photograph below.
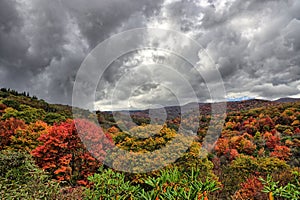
(9, 128)
(222, 146)
(27, 138)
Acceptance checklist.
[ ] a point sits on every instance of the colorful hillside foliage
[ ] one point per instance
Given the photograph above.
(64, 155)
(256, 156)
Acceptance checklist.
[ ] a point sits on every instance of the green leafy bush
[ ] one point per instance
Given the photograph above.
(21, 179)
(173, 184)
(11, 103)
(52, 118)
(26, 113)
(108, 184)
(288, 191)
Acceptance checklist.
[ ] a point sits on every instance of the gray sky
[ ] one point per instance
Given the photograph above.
(255, 44)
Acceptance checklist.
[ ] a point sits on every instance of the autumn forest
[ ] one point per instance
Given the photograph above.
(44, 156)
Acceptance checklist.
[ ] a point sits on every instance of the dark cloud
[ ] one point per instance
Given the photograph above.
(97, 20)
(42, 43)
(274, 91)
(146, 88)
(255, 45)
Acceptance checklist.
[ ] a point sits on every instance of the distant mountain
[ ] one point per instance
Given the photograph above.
(204, 108)
(287, 100)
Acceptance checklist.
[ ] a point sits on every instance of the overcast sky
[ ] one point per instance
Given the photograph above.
(255, 44)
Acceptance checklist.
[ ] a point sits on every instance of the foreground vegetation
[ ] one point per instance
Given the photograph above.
(42, 155)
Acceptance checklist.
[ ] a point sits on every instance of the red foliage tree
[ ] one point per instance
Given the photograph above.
(249, 126)
(65, 156)
(271, 140)
(265, 124)
(8, 128)
(233, 154)
(250, 189)
(281, 152)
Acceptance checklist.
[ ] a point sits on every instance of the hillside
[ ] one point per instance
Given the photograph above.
(287, 100)
(259, 145)
(174, 112)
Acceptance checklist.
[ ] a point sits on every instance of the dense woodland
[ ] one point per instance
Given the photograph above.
(42, 156)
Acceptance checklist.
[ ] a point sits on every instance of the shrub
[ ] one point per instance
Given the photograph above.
(9, 113)
(173, 184)
(107, 184)
(271, 140)
(245, 166)
(52, 118)
(281, 152)
(21, 179)
(9, 128)
(242, 144)
(222, 146)
(289, 191)
(250, 189)
(71, 193)
(27, 138)
(26, 113)
(11, 103)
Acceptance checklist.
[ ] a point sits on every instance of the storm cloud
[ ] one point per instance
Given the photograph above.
(255, 45)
